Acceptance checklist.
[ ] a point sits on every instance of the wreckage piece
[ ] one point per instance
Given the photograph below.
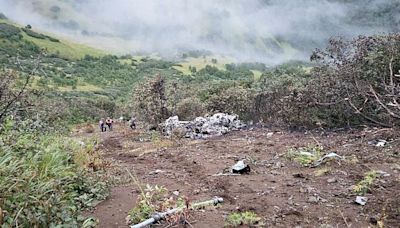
(326, 158)
(240, 168)
(203, 127)
(159, 216)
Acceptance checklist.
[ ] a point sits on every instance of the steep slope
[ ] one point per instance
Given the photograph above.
(66, 49)
(268, 31)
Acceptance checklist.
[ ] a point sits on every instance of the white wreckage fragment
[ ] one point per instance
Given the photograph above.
(203, 127)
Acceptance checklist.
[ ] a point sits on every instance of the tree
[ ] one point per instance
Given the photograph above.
(361, 75)
(11, 93)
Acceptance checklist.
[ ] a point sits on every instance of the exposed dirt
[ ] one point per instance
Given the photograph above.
(282, 192)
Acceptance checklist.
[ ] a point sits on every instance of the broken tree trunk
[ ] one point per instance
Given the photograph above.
(159, 216)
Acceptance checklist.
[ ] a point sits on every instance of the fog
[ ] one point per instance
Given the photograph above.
(270, 31)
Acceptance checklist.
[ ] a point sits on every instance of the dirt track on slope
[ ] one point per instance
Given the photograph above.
(280, 191)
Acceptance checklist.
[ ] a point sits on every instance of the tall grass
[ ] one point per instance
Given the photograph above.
(40, 185)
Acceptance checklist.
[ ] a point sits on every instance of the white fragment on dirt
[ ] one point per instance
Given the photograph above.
(305, 153)
(156, 172)
(240, 167)
(203, 127)
(270, 134)
(332, 180)
(377, 142)
(326, 158)
(176, 193)
(361, 200)
(383, 173)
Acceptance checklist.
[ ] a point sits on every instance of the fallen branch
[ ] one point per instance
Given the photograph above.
(159, 216)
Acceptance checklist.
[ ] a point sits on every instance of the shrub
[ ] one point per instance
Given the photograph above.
(190, 108)
(248, 219)
(40, 186)
(8, 31)
(360, 77)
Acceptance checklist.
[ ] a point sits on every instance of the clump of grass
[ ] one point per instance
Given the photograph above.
(364, 185)
(322, 172)
(149, 201)
(40, 184)
(247, 218)
(305, 156)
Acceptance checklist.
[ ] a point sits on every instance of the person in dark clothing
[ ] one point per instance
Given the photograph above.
(102, 125)
(132, 123)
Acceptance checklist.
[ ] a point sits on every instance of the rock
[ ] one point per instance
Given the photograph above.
(313, 199)
(270, 134)
(361, 200)
(202, 127)
(299, 175)
(331, 180)
(176, 193)
(241, 168)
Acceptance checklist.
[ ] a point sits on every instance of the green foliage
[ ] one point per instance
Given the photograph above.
(305, 156)
(9, 31)
(364, 185)
(248, 219)
(149, 201)
(190, 108)
(40, 186)
(34, 34)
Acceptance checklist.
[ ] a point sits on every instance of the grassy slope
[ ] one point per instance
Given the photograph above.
(201, 63)
(64, 48)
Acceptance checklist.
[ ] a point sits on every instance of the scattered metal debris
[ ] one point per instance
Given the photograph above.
(361, 200)
(159, 216)
(377, 142)
(203, 127)
(325, 158)
(156, 172)
(241, 168)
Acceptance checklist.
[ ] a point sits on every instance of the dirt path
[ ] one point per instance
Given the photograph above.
(281, 191)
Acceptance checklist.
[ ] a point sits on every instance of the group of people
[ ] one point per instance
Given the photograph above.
(103, 124)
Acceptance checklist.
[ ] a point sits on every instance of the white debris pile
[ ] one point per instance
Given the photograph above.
(203, 127)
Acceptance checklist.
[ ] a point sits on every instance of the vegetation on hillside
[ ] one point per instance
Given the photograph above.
(47, 85)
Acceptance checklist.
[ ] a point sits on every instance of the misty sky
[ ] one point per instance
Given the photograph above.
(259, 30)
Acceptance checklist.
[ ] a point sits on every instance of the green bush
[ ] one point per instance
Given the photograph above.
(40, 186)
(190, 108)
(34, 34)
(8, 31)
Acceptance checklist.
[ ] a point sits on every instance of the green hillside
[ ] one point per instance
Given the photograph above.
(60, 47)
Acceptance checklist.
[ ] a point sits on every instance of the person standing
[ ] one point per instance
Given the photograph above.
(109, 123)
(101, 125)
(132, 123)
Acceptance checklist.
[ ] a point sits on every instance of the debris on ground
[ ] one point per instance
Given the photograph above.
(361, 200)
(326, 158)
(377, 142)
(241, 168)
(203, 127)
(157, 171)
(159, 216)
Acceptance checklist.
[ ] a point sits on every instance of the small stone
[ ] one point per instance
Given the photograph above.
(313, 199)
(176, 193)
(270, 134)
(331, 180)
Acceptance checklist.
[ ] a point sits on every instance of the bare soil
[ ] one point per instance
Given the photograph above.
(282, 192)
